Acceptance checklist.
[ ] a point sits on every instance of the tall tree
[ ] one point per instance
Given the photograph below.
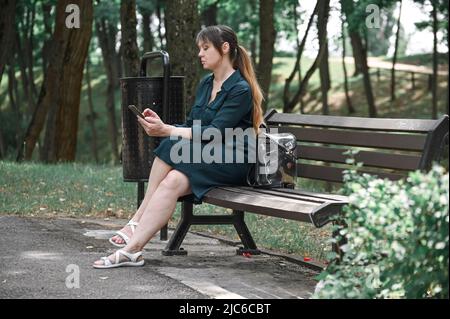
(182, 25)
(290, 103)
(324, 72)
(106, 30)
(60, 92)
(160, 14)
(130, 51)
(209, 12)
(92, 115)
(146, 9)
(344, 67)
(354, 23)
(46, 48)
(267, 35)
(435, 60)
(438, 21)
(394, 59)
(7, 21)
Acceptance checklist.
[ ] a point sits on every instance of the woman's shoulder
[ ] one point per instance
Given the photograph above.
(240, 87)
(205, 79)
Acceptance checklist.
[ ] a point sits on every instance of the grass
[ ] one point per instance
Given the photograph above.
(72, 189)
(82, 190)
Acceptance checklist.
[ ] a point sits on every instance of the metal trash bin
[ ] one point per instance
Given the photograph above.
(165, 96)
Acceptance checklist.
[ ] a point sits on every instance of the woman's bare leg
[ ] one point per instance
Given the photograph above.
(158, 172)
(158, 211)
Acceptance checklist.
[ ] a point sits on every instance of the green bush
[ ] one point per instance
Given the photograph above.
(397, 239)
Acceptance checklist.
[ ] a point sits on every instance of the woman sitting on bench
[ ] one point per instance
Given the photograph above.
(230, 98)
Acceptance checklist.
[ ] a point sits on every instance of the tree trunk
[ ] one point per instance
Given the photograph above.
(267, 35)
(289, 104)
(160, 25)
(322, 21)
(7, 21)
(394, 59)
(253, 37)
(130, 51)
(435, 61)
(2, 145)
(107, 45)
(60, 92)
(356, 56)
(209, 15)
(183, 23)
(147, 32)
(351, 110)
(92, 115)
(361, 54)
(46, 49)
(29, 50)
(14, 103)
(62, 124)
(23, 74)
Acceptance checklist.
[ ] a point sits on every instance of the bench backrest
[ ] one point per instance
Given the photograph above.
(389, 148)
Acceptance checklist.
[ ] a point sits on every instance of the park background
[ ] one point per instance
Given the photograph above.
(326, 57)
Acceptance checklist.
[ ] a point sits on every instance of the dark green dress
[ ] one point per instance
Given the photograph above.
(231, 108)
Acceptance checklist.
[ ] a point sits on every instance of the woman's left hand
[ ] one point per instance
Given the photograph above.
(153, 125)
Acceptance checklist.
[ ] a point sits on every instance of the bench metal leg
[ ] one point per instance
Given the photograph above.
(244, 235)
(173, 246)
(188, 218)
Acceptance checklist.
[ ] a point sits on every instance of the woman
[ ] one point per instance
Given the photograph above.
(230, 98)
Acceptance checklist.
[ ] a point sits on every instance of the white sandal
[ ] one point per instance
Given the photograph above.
(132, 260)
(124, 236)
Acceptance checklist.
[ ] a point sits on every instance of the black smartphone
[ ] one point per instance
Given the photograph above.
(136, 111)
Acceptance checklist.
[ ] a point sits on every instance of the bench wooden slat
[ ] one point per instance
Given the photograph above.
(357, 123)
(355, 138)
(334, 174)
(325, 196)
(316, 209)
(285, 198)
(373, 159)
(257, 204)
(281, 192)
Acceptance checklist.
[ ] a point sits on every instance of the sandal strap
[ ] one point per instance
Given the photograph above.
(106, 261)
(130, 256)
(132, 225)
(124, 236)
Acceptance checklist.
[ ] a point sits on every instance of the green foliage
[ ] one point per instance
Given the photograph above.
(242, 17)
(108, 10)
(397, 239)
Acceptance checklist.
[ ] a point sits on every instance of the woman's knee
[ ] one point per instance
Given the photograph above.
(175, 181)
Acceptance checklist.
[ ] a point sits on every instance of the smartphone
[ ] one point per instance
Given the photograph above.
(135, 111)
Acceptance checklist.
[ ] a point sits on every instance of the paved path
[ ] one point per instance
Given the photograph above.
(40, 258)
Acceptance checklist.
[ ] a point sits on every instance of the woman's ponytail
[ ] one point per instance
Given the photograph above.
(245, 66)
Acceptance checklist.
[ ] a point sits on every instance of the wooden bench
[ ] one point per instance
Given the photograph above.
(389, 148)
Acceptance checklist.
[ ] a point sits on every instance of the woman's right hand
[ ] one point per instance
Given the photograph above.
(153, 125)
(152, 114)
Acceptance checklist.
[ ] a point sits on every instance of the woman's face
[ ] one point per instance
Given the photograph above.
(210, 57)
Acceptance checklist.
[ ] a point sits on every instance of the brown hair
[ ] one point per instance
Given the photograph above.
(240, 59)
